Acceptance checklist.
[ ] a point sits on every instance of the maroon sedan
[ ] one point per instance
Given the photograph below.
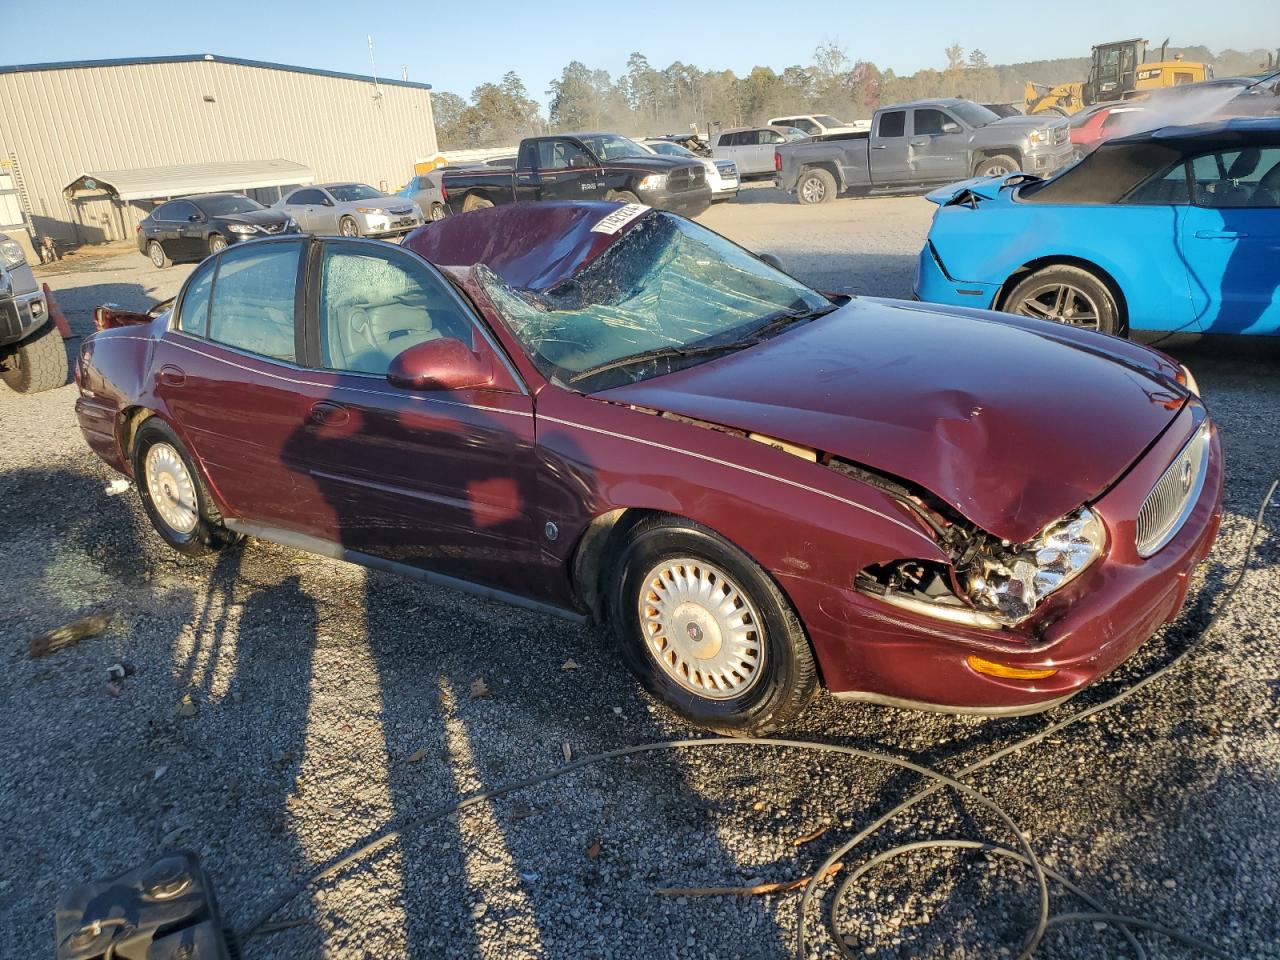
(613, 413)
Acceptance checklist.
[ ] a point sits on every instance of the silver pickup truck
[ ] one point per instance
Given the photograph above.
(32, 357)
(920, 144)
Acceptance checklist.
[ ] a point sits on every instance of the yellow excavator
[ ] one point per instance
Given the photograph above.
(1120, 71)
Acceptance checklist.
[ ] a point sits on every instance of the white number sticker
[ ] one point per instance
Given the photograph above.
(613, 222)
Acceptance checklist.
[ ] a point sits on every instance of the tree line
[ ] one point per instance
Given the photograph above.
(645, 100)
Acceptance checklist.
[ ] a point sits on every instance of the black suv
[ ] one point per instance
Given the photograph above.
(191, 228)
(32, 357)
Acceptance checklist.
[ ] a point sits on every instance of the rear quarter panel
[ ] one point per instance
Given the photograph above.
(1134, 245)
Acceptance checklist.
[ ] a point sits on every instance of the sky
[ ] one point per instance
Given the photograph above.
(456, 46)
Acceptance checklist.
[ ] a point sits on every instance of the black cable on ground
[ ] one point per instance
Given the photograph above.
(1027, 857)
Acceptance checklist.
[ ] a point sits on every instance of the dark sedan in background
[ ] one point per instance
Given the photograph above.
(191, 228)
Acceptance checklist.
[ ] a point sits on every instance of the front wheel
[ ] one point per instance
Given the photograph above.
(217, 243)
(816, 186)
(173, 495)
(707, 631)
(1070, 295)
(39, 363)
(623, 196)
(437, 211)
(348, 228)
(997, 166)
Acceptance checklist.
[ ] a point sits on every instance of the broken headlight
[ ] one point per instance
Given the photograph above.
(1009, 582)
(991, 583)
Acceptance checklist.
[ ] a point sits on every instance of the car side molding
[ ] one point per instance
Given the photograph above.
(336, 551)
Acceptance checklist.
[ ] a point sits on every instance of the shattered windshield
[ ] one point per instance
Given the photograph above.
(666, 295)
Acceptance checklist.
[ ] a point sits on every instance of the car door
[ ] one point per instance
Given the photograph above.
(767, 142)
(568, 171)
(938, 146)
(1231, 240)
(307, 207)
(438, 479)
(729, 146)
(228, 376)
(889, 163)
(164, 228)
(193, 228)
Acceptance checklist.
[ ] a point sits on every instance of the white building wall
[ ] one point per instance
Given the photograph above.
(60, 123)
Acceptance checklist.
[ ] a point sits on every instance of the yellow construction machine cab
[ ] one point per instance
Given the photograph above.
(1118, 72)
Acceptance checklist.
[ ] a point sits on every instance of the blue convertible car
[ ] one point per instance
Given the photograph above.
(1174, 230)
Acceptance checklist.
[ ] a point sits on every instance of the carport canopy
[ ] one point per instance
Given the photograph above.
(154, 183)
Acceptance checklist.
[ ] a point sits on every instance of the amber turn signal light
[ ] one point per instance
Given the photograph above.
(993, 669)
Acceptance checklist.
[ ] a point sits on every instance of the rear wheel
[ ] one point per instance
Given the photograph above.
(997, 166)
(37, 364)
(476, 202)
(1070, 295)
(173, 495)
(157, 255)
(348, 228)
(816, 186)
(707, 631)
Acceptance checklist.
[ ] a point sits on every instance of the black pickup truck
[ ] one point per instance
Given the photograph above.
(582, 166)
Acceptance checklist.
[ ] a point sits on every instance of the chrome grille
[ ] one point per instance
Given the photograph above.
(686, 178)
(1174, 496)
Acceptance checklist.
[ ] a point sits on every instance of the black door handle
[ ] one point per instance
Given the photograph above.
(329, 414)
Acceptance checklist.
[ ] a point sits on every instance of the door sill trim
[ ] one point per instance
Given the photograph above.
(336, 551)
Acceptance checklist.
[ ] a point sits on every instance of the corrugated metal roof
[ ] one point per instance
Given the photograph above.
(193, 57)
(150, 183)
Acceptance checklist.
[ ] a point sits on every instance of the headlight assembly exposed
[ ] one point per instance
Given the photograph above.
(1187, 380)
(991, 583)
(654, 181)
(243, 229)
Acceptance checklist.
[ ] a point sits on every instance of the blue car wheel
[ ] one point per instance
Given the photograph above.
(1067, 294)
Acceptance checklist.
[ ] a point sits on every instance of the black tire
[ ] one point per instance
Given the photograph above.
(437, 212)
(217, 243)
(156, 254)
(38, 363)
(996, 166)
(623, 196)
(785, 678)
(1085, 293)
(348, 227)
(816, 186)
(209, 534)
(476, 202)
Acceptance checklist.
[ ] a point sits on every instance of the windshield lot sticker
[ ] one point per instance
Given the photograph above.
(620, 218)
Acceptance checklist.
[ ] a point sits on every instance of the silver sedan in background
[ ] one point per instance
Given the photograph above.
(350, 210)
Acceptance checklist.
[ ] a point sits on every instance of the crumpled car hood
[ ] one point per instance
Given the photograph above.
(1013, 422)
(989, 188)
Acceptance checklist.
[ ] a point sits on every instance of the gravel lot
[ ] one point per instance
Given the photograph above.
(329, 702)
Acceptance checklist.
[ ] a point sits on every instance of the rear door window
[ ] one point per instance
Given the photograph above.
(303, 197)
(1162, 189)
(254, 296)
(892, 124)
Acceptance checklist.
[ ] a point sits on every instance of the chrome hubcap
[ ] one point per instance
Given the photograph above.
(1061, 302)
(701, 628)
(157, 255)
(172, 491)
(814, 190)
(348, 228)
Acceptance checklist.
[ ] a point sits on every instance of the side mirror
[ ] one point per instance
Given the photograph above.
(771, 260)
(195, 218)
(951, 128)
(326, 201)
(442, 364)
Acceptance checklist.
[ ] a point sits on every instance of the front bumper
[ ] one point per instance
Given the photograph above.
(1044, 162)
(21, 315)
(872, 651)
(387, 225)
(687, 203)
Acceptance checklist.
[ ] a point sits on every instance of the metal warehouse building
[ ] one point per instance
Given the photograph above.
(87, 148)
